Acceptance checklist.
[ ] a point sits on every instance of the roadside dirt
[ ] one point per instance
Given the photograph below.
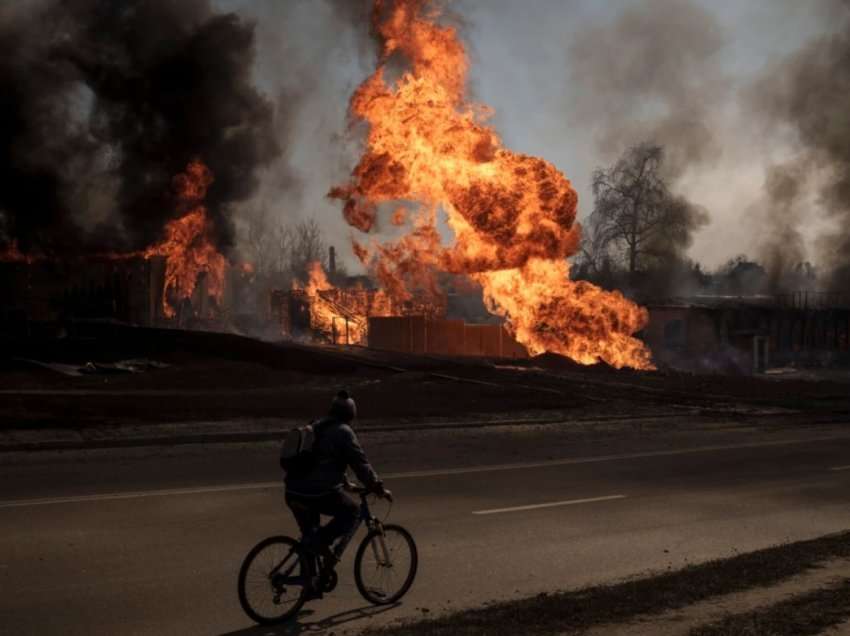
(219, 377)
(787, 590)
(683, 621)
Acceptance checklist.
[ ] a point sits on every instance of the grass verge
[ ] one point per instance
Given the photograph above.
(808, 613)
(575, 611)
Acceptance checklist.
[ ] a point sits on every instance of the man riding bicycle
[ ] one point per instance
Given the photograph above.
(320, 490)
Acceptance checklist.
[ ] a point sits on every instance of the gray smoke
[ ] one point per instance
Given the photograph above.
(810, 92)
(311, 56)
(104, 101)
(781, 248)
(651, 74)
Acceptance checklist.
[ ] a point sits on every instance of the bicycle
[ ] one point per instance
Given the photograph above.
(279, 569)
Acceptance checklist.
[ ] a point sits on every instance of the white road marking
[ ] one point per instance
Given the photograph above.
(552, 504)
(265, 485)
(136, 494)
(607, 458)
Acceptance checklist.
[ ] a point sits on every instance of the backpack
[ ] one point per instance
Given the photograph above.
(297, 455)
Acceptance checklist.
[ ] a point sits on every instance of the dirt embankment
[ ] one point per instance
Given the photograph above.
(217, 377)
(788, 590)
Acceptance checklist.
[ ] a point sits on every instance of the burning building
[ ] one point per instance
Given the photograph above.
(429, 154)
(358, 314)
(322, 311)
(176, 281)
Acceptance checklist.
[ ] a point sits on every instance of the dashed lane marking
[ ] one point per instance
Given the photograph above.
(551, 504)
(166, 492)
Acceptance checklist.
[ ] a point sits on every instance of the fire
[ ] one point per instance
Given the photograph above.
(512, 215)
(341, 314)
(187, 246)
(12, 254)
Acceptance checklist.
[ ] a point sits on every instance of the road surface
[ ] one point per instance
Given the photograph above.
(152, 545)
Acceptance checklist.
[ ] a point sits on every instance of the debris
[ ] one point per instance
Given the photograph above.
(135, 365)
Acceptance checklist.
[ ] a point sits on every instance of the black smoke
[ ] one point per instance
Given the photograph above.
(102, 102)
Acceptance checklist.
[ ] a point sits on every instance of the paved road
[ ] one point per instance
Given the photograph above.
(148, 549)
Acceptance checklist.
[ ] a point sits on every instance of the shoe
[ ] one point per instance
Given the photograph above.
(314, 592)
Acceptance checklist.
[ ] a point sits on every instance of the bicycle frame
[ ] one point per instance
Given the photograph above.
(365, 516)
(372, 523)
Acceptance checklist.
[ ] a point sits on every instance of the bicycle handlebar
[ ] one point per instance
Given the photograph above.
(363, 491)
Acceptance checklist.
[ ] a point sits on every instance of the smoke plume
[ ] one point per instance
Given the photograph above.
(104, 102)
(808, 91)
(782, 212)
(651, 74)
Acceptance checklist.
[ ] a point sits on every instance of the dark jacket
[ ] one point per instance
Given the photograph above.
(337, 449)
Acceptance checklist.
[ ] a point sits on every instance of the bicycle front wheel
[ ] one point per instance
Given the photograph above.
(385, 565)
(273, 580)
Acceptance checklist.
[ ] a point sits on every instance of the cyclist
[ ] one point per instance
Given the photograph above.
(319, 491)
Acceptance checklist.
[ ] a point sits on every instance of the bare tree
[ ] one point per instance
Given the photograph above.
(281, 250)
(282, 238)
(258, 241)
(636, 217)
(306, 245)
(629, 204)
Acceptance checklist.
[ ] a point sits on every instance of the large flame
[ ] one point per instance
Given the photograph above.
(512, 215)
(188, 247)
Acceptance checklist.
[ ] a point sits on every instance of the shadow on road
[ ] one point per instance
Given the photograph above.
(302, 626)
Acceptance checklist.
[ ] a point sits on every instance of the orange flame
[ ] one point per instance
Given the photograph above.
(12, 254)
(188, 247)
(513, 215)
(341, 314)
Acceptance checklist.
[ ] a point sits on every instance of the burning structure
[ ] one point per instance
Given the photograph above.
(174, 281)
(362, 315)
(331, 314)
(429, 154)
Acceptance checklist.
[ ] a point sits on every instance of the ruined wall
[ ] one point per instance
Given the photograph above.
(721, 338)
(128, 290)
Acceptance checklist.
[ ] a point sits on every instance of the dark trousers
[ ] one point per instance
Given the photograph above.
(340, 507)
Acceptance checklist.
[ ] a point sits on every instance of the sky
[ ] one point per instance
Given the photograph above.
(537, 64)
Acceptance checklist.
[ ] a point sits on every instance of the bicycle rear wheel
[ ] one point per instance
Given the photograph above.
(273, 580)
(385, 565)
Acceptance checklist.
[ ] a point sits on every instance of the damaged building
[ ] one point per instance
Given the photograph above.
(359, 314)
(43, 294)
(749, 334)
